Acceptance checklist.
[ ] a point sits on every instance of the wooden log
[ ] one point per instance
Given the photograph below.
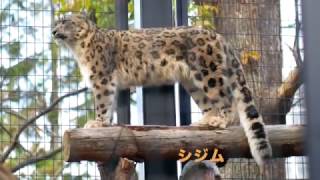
(154, 142)
(118, 169)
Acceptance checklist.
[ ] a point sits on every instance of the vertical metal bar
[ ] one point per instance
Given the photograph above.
(311, 27)
(156, 13)
(185, 105)
(182, 12)
(158, 103)
(123, 107)
(122, 14)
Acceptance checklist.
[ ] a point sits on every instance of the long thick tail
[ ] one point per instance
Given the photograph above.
(252, 122)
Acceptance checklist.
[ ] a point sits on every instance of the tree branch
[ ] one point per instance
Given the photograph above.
(294, 80)
(36, 159)
(297, 40)
(33, 119)
(5, 129)
(288, 88)
(26, 150)
(292, 83)
(9, 134)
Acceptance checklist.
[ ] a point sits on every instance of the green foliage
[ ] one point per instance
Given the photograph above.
(130, 10)
(13, 48)
(3, 16)
(20, 69)
(81, 121)
(50, 167)
(204, 14)
(12, 74)
(4, 137)
(103, 10)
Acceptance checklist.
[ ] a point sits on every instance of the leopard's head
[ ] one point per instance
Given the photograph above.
(72, 29)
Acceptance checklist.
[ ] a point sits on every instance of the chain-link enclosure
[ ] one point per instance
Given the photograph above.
(268, 36)
(42, 93)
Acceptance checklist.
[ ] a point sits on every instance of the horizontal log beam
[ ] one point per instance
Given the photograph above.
(152, 142)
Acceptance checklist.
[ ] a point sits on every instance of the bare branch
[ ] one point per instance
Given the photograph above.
(294, 80)
(26, 150)
(288, 88)
(33, 119)
(5, 129)
(10, 135)
(297, 40)
(291, 84)
(36, 159)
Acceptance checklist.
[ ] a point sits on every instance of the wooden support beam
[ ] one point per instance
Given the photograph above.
(153, 142)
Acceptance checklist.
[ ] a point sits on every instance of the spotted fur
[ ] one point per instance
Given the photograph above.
(199, 59)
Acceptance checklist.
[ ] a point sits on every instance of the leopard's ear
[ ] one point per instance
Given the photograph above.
(83, 12)
(89, 15)
(92, 15)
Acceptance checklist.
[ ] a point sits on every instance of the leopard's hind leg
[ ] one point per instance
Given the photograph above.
(215, 114)
(217, 73)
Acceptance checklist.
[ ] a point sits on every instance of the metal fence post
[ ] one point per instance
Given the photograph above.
(185, 106)
(158, 103)
(123, 108)
(310, 13)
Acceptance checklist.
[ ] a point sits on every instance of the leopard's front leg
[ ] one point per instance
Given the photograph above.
(105, 101)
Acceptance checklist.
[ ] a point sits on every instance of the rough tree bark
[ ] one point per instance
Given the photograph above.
(254, 25)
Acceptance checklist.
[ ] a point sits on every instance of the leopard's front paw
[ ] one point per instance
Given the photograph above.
(212, 121)
(95, 124)
(217, 122)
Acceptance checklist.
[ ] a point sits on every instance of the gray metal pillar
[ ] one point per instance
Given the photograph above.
(158, 103)
(311, 29)
(123, 107)
(185, 106)
(182, 12)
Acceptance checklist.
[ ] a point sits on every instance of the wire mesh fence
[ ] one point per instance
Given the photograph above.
(36, 74)
(268, 36)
